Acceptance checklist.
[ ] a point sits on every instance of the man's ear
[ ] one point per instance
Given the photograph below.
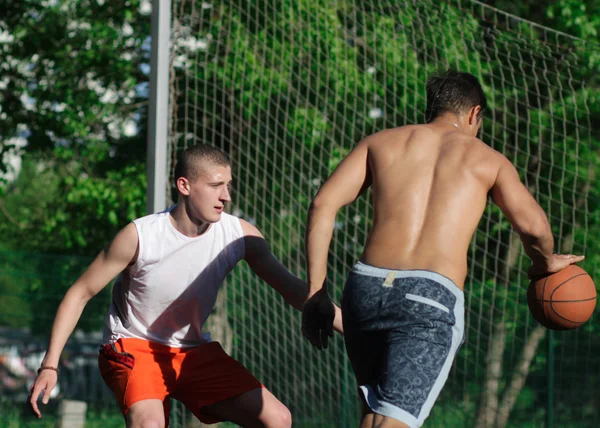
(183, 185)
(474, 115)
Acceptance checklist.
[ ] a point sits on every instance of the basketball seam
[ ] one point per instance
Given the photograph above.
(554, 291)
(563, 283)
(566, 319)
(565, 301)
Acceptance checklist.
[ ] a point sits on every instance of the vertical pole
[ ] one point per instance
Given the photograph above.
(550, 404)
(158, 117)
(158, 122)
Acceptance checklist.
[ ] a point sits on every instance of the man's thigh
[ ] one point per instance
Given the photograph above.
(132, 374)
(209, 376)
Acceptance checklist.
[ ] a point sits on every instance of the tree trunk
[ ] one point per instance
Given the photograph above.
(489, 395)
(519, 376)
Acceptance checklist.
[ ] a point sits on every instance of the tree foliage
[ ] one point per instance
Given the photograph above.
(74, 89)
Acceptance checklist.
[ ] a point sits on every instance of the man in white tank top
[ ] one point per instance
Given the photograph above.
(171, 267)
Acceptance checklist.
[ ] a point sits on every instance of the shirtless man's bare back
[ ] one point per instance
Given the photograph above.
(403, 305)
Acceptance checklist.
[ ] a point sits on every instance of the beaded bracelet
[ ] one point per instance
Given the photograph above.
(47, 368)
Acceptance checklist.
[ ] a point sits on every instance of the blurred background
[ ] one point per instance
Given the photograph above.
(287, 88)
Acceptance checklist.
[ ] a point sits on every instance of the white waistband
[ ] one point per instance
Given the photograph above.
(365, 269)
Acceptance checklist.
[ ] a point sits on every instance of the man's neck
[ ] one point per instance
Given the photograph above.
(184, 224)
(449, 119)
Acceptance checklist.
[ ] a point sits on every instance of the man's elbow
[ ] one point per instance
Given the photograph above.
(320, 207)
(81, 293)
(314, 206)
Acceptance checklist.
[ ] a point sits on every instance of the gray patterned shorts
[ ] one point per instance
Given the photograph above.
(402, 330)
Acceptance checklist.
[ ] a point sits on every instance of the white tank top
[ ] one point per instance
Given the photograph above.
(168, 294)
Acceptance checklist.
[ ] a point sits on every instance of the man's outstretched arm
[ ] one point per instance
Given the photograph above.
(261, 260)
(108, 264)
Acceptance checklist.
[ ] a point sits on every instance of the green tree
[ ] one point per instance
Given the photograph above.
(574, 17)
(75, 74)
(74, 82)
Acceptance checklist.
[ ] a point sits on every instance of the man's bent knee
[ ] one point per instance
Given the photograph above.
(278, 418)
(146, 414)
(147, 421)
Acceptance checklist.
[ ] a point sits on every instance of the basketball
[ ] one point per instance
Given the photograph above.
(563, 300)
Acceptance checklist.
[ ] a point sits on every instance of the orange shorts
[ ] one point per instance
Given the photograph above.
(136, 369)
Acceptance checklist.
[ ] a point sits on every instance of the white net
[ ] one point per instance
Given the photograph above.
(287, 88)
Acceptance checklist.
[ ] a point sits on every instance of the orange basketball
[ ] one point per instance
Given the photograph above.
(563, 300)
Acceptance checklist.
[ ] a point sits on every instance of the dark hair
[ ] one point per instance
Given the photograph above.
(189, 164)
(453, 92)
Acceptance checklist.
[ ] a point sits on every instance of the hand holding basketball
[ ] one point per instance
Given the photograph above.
(555, 264)
(564, 299)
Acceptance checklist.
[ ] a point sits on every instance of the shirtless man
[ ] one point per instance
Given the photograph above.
(403, 304)
(172, 265)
